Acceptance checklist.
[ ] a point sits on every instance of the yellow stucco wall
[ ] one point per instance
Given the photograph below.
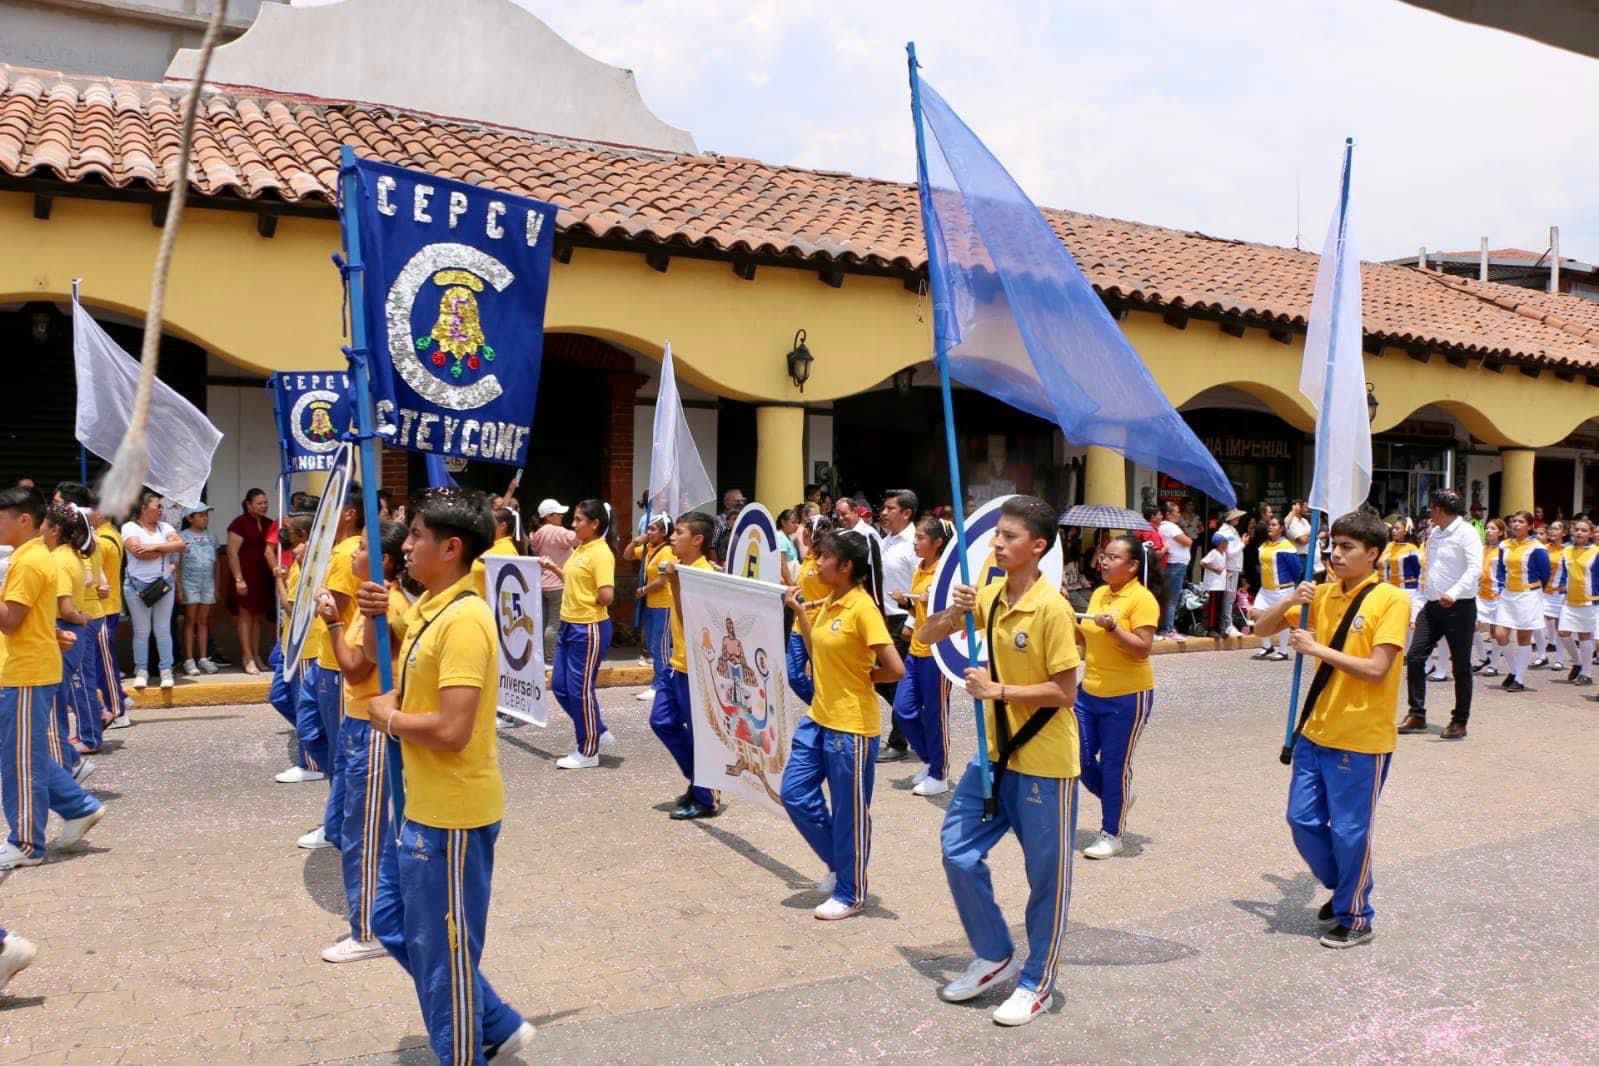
(267, 304)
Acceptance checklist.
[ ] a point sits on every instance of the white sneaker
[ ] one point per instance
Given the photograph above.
(1179, 637)
(84, 768)
(980, 976)
(166, 679)
(352, 950)
(13, 857)
(577, 761)
(16, 954)
(296, 775)
(515, 1043)
(608, 740)
(1232, 632)
(931, 786)
(1022, 1007)
(73, 830)
(314, 840)
(121, 721)
(643, 697)
(190, 669)
(141, 680)
(921, 775)
(827, 884)
(832, 910)
(207, 665)
(1104, 846)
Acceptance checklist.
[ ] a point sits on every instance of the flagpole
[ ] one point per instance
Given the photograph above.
(1287, 754)
(83, 453)
(283, 479)
(358, 353)
(941, 359)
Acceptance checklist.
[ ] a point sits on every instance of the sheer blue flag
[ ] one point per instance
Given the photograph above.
(438, 474)
(1020, 322)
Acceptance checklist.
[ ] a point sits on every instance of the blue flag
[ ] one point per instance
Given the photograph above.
(438, 474)
(1021, 323)
(456, 278)
(313, 409)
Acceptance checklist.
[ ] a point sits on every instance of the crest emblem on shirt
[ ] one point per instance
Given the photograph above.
(1020, 640)
(838, 623)
(1359, 623)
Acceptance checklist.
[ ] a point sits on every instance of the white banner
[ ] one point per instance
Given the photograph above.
(318, 554)
(518, 603)
(742, 710)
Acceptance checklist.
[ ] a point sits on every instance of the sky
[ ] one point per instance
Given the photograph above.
(1223, 117)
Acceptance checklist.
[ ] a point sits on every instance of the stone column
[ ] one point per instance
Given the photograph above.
(1104, 477)
(1515, 487)
(779, 456)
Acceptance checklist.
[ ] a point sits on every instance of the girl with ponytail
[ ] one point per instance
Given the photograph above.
(921, 703)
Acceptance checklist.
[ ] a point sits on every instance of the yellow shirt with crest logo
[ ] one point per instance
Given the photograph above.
(31, 655)
(660, 598)
(679, 657)
(591, 567)
(343, 579)
(1034, 639)
(1353, 714)
(358, 694)
(846, 630)
(69, 576)
(921, 588)
(1109, 669)
(450, 643)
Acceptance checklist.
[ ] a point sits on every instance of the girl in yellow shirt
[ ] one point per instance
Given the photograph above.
(811, 592)
(589, 580)
(67, 536)
(921, 702)
(311, 753)
(655, 600)
(1118, 688)
(836, 743)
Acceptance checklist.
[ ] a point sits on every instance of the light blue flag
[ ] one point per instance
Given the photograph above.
(1021, 323)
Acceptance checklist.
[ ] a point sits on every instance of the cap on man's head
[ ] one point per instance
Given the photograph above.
(549, 506)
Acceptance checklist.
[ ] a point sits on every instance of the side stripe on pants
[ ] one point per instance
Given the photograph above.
(1363, 884)
(372, 842)
(1140, 719)
(24, 774)
(863, 821)
(1066, 801)
(463, 1017)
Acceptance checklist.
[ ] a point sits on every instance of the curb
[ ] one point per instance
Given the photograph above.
(255, 689)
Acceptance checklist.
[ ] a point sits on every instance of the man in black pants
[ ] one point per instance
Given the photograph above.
(1454, 569)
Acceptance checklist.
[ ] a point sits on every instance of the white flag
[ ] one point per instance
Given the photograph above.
(678, 481)
(1333, 376)
(517, 599)
(743, 713)
(182, 440)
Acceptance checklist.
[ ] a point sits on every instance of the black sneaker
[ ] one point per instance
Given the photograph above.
(694, 810)
(1583, 681)
(1325, 916)
(1342, 936)
(1478, 667)
(1541, 664)
(1574, 673)
(1512, 685)
(887, 753)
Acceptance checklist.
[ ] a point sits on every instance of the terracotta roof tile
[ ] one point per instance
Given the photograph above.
(263, 144)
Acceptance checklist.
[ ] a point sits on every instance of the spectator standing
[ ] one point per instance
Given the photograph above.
(1296, 526)
(552, 541)
(151, 545)
(197, 588)
(1235, 566)
(733, 502)
(253, 598)
(1179, 554)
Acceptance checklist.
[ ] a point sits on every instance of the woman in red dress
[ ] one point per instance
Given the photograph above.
(251, 541)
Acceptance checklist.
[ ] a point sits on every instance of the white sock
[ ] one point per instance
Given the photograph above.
(1523, 659)
(1551, 633)
(1568, 650)
(1265, 644)
(1282, 642)
(1479, 646)
(1585, 656)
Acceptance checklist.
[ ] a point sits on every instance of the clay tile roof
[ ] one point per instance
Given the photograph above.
(258, 145)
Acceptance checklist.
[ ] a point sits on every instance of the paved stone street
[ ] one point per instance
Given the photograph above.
(189, 930)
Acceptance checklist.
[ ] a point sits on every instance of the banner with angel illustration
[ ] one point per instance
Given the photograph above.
(743, 713)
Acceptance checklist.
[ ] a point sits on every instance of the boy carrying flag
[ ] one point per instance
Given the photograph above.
(1346, 736)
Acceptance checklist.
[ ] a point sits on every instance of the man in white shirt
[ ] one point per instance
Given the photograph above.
(1454, 569)
(1179, 552)
(1296, 527)
(899, 567)
(1235, 567)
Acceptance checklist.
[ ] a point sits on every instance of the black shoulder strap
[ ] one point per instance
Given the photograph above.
(1005, 743)
(405, 666)
(1324, 672)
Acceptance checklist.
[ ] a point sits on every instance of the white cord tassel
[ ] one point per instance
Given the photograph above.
(131, 465)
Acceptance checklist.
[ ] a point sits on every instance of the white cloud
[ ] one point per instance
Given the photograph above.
(1200, 116)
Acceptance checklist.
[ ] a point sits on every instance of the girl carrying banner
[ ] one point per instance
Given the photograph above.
(836, 743)
(921, 703)
(589, 586)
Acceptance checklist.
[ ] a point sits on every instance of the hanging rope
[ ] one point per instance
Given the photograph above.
(131, 465)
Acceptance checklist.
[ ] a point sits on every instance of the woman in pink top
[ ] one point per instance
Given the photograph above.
(552, 541)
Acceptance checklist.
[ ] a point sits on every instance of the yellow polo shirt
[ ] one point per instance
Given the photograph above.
(592, 567)
(69, 576)
(811, 588)
(846, 630)
(1034, 639)
(342, 579)
(1108, 668)
(451, 644)
(91, 581)
(110, 555)
(32, 656)
(660, 598)
(1352, 714)
(679, 658)
(358, 694)
(921, 585)
(480, 569)
(317, 635)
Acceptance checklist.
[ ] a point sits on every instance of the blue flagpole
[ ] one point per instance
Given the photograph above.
(1287, 755)
(941, 358)
(360, 372)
